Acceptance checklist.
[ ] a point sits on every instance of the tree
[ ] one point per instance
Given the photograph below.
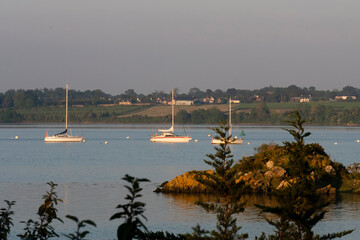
(350, 91)
(300, 205)
(304, 109)
(183, 117)
(231, 92)
(7, 102)
(223, 182)
(196, 92)
(19, 99)
(218, 93)
(209, 92)
(262, 112)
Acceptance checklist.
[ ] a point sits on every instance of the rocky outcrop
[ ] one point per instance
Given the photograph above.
(185, 183)
(275, 172)
(330, 170)
(270, 164)
(328, 190)
(256, 181)
(265, 172)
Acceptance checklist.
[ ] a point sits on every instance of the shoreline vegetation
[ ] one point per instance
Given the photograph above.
(318, 114)
(268, 105)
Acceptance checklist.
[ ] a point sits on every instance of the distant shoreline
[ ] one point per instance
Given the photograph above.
(318, 113)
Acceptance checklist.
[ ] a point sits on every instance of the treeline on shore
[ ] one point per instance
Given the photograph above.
(53, 97)
(324, 113)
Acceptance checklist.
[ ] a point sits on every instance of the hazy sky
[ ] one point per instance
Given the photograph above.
(149, 45)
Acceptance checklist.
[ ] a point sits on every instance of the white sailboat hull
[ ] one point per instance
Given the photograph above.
(170, 139)
(63, 138)
(232, 141)
(168, 136)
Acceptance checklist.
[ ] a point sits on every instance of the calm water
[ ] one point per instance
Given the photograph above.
(89, 174)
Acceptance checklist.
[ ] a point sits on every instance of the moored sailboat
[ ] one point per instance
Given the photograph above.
(232, 140)
(168, 136)
(63, 136)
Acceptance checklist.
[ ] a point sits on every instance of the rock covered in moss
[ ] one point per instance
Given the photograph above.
(256, 182)
(330, 170)
(269, 164)
(185, 183)
(328, 190)
(275, 172)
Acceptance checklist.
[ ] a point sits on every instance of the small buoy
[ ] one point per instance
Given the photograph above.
(335, 143)
(196, 140)
(209, 135)
(248, 143)
(106, 142)
(358, 140)
(127, 137)
(16, 137)
(84, 140)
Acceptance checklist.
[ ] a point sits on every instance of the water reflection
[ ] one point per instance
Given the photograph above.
(89, 175)
(344, 206)
(176, 213)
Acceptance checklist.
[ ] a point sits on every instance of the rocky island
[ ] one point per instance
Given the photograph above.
(267, 170)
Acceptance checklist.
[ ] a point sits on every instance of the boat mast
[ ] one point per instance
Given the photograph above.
(66, 115)
(172, 110)
(230, 117)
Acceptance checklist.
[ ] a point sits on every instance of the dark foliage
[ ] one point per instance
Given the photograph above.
(132, 212)
(198, 234)
(160, 235)
(42, 229)
(6, 220)
(300, 206)
(79, 234)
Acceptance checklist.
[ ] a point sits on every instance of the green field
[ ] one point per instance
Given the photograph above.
(77, 114)
(293, 105)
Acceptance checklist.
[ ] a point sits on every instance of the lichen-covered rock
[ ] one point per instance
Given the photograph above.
(275, 172)
(328, 190)
(185, 183)
(269, 164)
(330, 170)
(256, 182)
(283, 184)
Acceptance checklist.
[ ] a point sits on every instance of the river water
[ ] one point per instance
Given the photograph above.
(89, 175)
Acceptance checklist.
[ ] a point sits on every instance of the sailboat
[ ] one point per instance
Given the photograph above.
(63, 136)
(168, 136)
(234, 140)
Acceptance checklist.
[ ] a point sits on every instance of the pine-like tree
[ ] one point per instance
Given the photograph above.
(301, 207)
(223, 182)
